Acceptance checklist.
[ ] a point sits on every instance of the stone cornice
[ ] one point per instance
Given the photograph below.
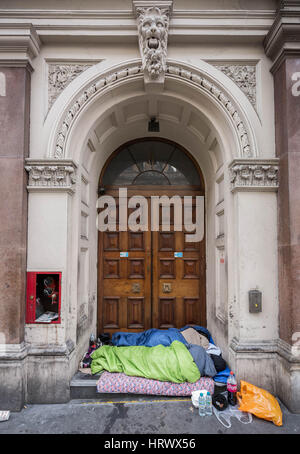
(13, 352)
(99, 25)
(128, 14)
(165, 4)
(51, 349)
(51, 175)
(283, 38)
(254, 174)
(15, 63)
(289, 6)
(254, 346)
(18, 39)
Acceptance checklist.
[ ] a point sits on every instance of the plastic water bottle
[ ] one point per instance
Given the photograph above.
(231, 389)
(202, 404)
(208, 404)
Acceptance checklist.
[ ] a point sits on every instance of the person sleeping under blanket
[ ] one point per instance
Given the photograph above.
(173, 363)
(157, 338)
(154, 336)
(188, 335)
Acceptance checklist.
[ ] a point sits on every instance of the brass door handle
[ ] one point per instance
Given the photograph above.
(167, 287)
(136, 288)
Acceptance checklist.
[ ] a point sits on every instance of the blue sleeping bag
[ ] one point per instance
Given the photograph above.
(153, 337)
(149, 338)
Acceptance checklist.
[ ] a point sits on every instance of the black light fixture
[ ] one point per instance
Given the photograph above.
(153, 125)
(101, 191)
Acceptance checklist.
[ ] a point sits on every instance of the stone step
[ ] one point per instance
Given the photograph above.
(84, 386)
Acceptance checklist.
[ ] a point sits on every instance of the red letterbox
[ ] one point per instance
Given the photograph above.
(43, 298)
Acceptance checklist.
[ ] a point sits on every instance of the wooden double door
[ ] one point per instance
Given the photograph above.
(151, 279)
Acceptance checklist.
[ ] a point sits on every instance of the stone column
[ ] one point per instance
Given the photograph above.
(51, 352)
(14, 135)
(282, 45)
(253, 330)
(15, 71)
(14, 139)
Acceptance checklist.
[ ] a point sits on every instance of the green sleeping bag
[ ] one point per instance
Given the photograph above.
(173, 363)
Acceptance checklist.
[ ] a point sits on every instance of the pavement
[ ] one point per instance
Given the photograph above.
(134, 415)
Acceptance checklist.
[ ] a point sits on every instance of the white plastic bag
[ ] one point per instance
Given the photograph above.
(4, 415)
(232, 412)
(195, 396)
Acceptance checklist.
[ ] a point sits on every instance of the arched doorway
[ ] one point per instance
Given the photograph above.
(151, 279)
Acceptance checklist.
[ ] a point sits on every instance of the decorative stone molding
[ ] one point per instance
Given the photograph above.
(51, 175)
(60, 76)
(172, 71)
(153, 27)
(13, 352)
(289, 352)
(221, 97)
(283, 38)
(51, 349)
(253, 347)
(261, 175)
(85, 96)
(289, 4)
(273, 346)
(21, 40)
(244, 76)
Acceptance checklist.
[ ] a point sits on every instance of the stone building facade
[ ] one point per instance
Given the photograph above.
(75, 86)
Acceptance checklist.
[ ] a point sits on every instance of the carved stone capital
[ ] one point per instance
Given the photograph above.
(153, 28)
(51, 175)
(254, 174)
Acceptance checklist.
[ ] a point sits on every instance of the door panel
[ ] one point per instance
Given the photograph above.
(135, 313)
(124, 282)
(178, 284)
(150, 287)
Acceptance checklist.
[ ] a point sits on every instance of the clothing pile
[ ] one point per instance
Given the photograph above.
(85, 363)
(206, 355)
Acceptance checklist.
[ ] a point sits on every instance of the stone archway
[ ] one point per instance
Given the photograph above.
(180, 121)
(204, 83)
(205, 113)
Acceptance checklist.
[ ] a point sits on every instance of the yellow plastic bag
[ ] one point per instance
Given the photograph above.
(259, 402)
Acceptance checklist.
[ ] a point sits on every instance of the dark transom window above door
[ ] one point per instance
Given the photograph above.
(150, 162)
